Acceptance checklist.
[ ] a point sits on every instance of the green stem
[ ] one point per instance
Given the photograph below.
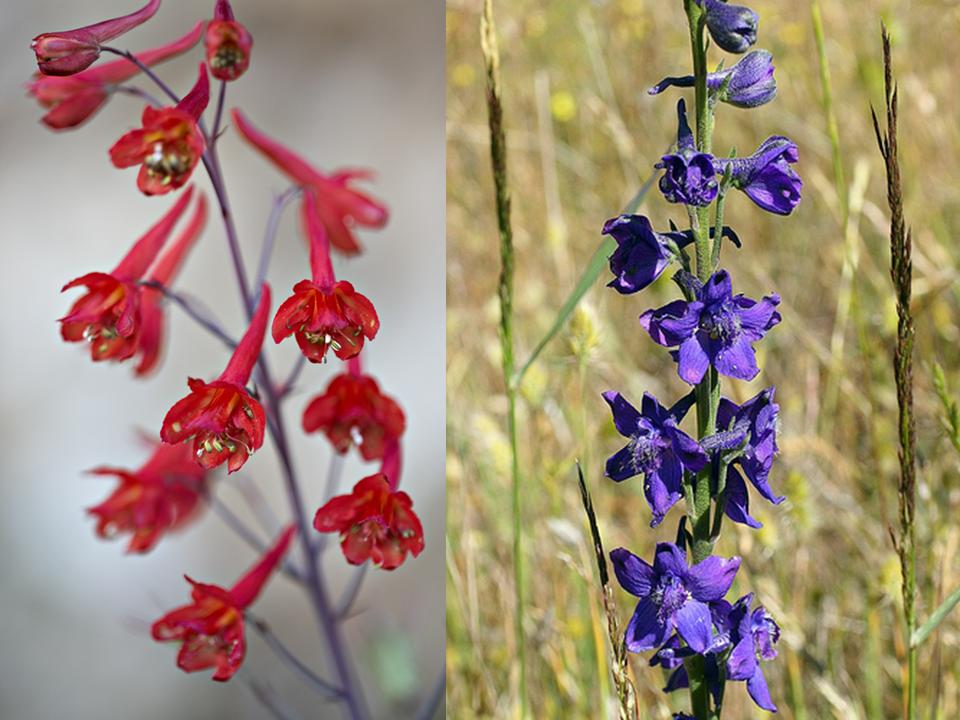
(708, 391)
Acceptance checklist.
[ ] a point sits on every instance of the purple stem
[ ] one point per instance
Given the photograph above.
(219, 116)
(231, 520)
(285, 654)
(291, 380)
(189, 307)
(280, 203)
(352, 592)
(315, 585)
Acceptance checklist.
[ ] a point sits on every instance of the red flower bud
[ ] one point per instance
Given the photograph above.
(374, 523)
(72, 100)
(228, 44)
(70, 51)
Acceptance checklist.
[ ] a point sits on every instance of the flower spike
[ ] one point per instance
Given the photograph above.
(69, 51)
(108, 315)
(338, 205)
(228, 44)
(162, 496)
(374, 523)
(72, 100)
(220, 419)
(170, 143)
(211, 627)
(151, 299)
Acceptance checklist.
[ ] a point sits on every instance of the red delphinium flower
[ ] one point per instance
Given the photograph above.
(169, 145)
(108, 316)
(324, 313)
(374, 523)
(151, 299)
(220, 420)
(228, 44)
(352, 410)
(150, 502)
(72, 100)
(70, 51)
(211, 626)
(338, 206)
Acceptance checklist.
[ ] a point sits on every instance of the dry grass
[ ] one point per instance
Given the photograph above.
(583, 135)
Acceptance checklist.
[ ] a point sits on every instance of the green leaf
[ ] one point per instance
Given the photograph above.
(923, 632)
(586, 281)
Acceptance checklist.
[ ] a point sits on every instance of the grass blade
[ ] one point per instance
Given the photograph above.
(597, 262)
(923, 632)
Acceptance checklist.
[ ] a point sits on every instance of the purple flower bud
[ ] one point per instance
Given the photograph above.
(690, 177)
(732, 27)
(749, 83)
(766, 176)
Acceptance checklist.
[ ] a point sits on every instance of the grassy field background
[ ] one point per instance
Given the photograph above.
(583, 135)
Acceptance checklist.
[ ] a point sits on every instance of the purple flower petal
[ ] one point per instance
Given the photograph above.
(625, 415)
(742, 663)
(668, 558)
(633, 573)
(711, 578)
(694, 624)
(738, 360)
(692, 361)
(757, 687)
(662, 488)
(645, 631)
(673, 323)
(737, 506)
(621, 465)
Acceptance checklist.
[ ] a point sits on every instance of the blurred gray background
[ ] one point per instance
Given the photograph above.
(347, 83)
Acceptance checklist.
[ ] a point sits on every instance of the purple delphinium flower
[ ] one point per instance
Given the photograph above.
(749, 83)
(766, 176)
(732, 27)
(753, 636)
(717, 328)
(755, 422)
(689, 177)
(657, 448)
(673, 596)
(642, 254)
